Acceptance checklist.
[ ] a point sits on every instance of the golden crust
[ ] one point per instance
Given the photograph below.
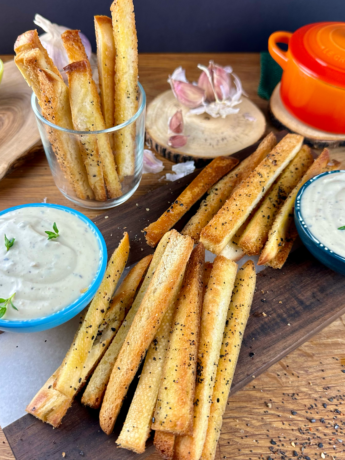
(174, 407)
(256, 233)
(126, 83)
(164, 443)
(137, 426)
(71, 371)
(235, 325)
(224, 225)
(56, 109)
(73, 45)
(282, 233)
(156, 301)
(214, 312)
(222, 190)
(49, 405)
(106, 66)
(195, 190)
(95, 390)
(30, 40)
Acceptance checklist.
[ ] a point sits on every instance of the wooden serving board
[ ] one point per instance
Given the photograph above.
(18, 129)
(297, 302)
(207, 137)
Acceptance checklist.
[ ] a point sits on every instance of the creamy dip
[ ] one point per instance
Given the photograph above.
(45, 275)
(323, 210)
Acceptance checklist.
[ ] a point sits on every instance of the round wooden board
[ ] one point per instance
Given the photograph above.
(282, 118)
(18, 128)
(207, 137)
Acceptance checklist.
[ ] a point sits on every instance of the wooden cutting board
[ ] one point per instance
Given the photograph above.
(18, 129)
(298, 301)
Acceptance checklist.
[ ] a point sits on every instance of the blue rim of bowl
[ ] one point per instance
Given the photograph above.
(35, 108)
(84, 298)
(298, 213)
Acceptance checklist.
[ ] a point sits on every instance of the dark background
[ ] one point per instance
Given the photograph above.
(177, 25)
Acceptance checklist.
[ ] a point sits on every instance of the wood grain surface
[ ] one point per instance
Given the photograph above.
(319, 361)
(208, 137)
(18, 128)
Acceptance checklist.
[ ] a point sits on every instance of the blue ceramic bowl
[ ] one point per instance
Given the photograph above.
(319, 250)
(60, 317)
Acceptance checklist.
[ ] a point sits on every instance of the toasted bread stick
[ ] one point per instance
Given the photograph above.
(24, 44)
(206, 276)
(195, 190)
(56, 109)
(164, 443)
(215, 308)
(49, 405)
(174, 408)
(224, 225)
(255, 234)
(74, 46)
(71, 372)
(106, 66)
(154, 305)
(235, 325)
(79, 75)
(222, 190)
(89, 117)
(280, 239)
(137, 426)
(95, 390)
(113, 319)
(30, 40)
(126, 83)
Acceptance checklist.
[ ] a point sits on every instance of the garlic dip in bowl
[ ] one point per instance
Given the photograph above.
(320, 218)
(53, 259)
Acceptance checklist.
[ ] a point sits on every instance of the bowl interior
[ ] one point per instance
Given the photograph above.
(303, 226)
(74, 308)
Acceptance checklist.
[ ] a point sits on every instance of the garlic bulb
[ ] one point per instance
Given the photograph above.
(217, 92)
(52, 42)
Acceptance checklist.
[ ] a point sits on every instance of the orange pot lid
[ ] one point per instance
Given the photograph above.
(320, 49)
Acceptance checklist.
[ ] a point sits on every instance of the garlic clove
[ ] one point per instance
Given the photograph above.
(187, 94)
(176, 122)
(205, 83)
(221, 81)
(177, 141)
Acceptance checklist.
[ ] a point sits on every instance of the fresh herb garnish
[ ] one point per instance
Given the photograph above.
(9, 243)
(341, 228)
(4, 303)
(53, 234)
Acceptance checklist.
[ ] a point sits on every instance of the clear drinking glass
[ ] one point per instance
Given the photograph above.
(129, 184)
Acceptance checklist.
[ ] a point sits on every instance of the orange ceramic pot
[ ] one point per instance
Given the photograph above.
(313, 82)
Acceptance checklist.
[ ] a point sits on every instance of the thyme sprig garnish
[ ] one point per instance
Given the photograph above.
(4, 303)
(53, 234)
(9, 243)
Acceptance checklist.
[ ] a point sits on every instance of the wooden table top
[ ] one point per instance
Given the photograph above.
(276, 413)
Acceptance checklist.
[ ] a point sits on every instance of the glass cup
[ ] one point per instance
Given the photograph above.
(52, 135)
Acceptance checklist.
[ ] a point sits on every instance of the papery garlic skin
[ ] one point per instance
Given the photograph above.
(151, 164)
(175, 123)
(51, 40)
(177, 141)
